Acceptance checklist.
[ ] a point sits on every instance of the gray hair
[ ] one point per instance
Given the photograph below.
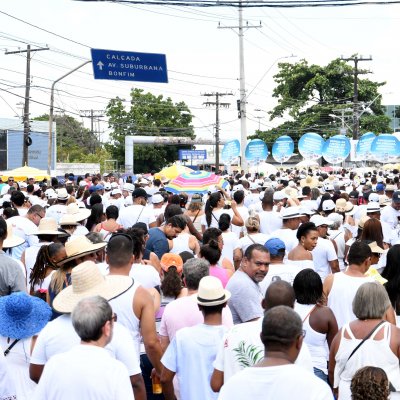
(194, 270)
(371, 301)
(95, 237)
(89, 317)
(280, 328)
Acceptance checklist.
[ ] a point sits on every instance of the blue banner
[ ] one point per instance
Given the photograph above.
(385, 148)
(230, 151)
(336, 149)
(310, 146)
(283, 149)
(256, 151)
(363, 148)
(192, 154)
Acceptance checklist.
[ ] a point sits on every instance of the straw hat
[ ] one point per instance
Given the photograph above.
(309, 181)
(67, 219)
(47, 226)
(291, 192)
(62, 194)
(12, 240)
(362, 221)
(375, 248)
(87, 280)
(343, 206)
(78, 213)
(79, 247)
(211, 292)
(22, 316)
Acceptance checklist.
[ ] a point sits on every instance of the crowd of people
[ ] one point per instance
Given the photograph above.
(267, 287)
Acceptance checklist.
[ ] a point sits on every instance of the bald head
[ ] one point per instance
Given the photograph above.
(279, 293)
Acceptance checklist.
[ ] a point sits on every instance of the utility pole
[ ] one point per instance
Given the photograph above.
(26, 138)
(242, 100)
(92, 114)
(217, 105)
(356, 59)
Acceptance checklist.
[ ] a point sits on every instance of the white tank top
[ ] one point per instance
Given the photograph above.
(181, 243)
(340, 299)
(315, 341)
(123, 307)
(372, 352)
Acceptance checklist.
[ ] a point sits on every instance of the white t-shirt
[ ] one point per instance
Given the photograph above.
(231, 243)
(59, 336)
(390, 216)
(145, 275)
(84, 372)
(244, 213)
(191, 355)
(270, 221)
(129, 216)
(7, 389)
(259, 238)
(288, 236)
(24, 228)
(241, 347)
(215, 217)
(56, 211)
(284, 382)
(323, 252)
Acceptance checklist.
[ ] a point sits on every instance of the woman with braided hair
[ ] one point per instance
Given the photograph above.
(46, 263)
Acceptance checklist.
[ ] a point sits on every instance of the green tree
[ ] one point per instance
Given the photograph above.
(74, 142)
(148, 115)
(308, 96)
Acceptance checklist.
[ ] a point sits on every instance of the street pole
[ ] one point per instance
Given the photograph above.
(50, 147)
(217, 105)
(356, 72)
(28, 51)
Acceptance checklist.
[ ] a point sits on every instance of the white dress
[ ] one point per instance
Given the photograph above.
(18, 366)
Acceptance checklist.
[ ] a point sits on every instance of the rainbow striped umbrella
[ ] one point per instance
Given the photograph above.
(195, 182)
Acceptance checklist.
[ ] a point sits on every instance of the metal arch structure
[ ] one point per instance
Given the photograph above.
(130, 142)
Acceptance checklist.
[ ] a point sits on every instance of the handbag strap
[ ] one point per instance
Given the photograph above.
(308, 314)
(8, 349)
(195, 217)
(366, 338)
(137, 219)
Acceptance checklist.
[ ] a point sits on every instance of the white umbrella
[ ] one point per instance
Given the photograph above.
(307, 164)
(265, 168)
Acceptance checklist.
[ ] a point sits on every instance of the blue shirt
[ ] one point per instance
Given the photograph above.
(157, 242)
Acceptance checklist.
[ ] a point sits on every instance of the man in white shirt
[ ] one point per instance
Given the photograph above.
(270, 220)
(195, 348)
(241, 347)
(324, 253)
(87, 371)
(137, 212)
(57, 210)
(7, 186)
(390, 214)
(276, 376)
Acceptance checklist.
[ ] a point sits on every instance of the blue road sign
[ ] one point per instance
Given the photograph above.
(192, 154)
(129, 66)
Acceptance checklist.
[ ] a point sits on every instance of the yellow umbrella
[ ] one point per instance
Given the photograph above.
(23, 173)
(172, 172)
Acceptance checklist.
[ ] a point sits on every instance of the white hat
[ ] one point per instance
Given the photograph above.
(67, 219)
(328, 205)
(328, 187)
(128, 187)
(82, 183)
(373, 207)
(374, 197)
(211, 292)
(319, 220)
(87, 280)
(78, 213)
(253, 186)
(115, 191)
(114, 185)
(335, 217)
(23, 185)
(50, 191)
(107, 186)
(157, 198)
(278, 196)
(291, 212)
(62, 194)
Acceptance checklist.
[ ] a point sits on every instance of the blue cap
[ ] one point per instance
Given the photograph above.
(274, 245)
(380, 187)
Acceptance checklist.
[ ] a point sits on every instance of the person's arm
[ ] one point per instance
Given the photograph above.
(35, 372)
(390, 315)
(334, 264)
(328, 282)
(154, 261)
(332, 361)
(332, 327)
(217, 380)
(237, 257)
(167, 377)
(160, 220)
(138, 387)
(192, 229)
(237, 218)
(143, 308)
(194, 245)
(164, 340)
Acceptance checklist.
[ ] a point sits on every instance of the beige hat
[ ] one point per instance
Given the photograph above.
(343, 206)
(375, 248)
(47, 226)
(291, 192)
(384, 201)
(62, 194)
(362, 221)
(11, 240)
(79, 247)
(67, 219)
(390, 188)
(211, 292)
(78, 213)
(309, 181)
(87, 280)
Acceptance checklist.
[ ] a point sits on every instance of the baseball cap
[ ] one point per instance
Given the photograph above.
(169, 260)
(380, 187)
(278, 196)
(396, 197)
(374, 197)
(319, 220)
(274, 245)
(139, 192)
(328, 205)
(129, 187)
(157, 198)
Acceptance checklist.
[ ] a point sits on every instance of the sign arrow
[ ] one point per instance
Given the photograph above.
(100, 65)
